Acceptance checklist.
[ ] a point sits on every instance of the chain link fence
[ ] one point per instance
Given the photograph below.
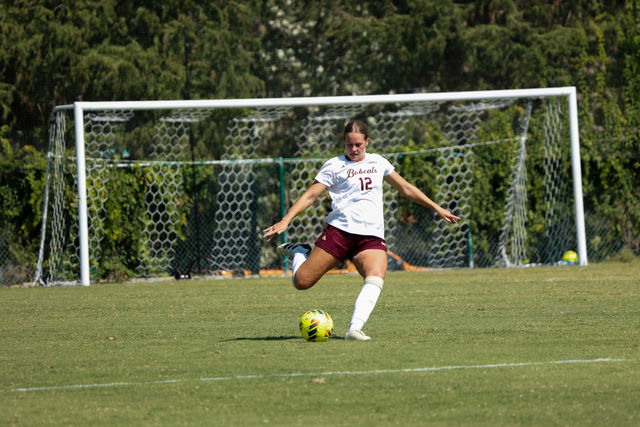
(604, 243)
(188, 192)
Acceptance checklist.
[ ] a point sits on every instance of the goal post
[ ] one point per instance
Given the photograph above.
(449, 142)
(83, 233)
(576, 170)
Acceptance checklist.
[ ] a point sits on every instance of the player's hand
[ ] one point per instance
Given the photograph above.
(277, 228)
(448, 216)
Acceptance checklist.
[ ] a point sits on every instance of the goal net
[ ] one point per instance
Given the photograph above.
(153, 189)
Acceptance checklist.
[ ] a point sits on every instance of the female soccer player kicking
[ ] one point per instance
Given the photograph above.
(355, 228)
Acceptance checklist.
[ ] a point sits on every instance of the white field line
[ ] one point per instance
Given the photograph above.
(317, 374)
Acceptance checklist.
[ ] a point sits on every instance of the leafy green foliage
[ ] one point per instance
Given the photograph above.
(53, 53)
(21, 189)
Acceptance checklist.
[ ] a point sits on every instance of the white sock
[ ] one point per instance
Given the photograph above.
(296, 262)
(366, 301)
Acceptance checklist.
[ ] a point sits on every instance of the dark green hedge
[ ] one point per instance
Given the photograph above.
(54, 53)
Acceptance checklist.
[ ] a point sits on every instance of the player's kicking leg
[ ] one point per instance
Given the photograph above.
(307, 265)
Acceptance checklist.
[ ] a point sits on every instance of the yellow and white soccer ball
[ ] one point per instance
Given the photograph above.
(570, 257)
(316, 325)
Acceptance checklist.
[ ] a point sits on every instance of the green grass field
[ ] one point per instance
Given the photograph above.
(537, 346)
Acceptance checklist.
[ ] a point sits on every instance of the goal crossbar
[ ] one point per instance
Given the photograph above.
(320, 101)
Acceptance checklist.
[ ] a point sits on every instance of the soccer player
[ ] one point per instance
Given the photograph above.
(355, 227)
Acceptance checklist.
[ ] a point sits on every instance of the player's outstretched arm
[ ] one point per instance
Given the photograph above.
(413, 193)
(306, 200)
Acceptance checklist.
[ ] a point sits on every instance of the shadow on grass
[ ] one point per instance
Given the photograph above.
(280, 338)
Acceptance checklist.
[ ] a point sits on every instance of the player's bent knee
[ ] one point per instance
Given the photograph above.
(302, 283)
(301, 286)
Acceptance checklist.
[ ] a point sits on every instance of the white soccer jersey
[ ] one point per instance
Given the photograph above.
(356, 193)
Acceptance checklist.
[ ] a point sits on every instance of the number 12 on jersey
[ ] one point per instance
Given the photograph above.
(365, 183)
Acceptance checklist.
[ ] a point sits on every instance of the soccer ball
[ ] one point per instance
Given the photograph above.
(570, 257)
(316, 325)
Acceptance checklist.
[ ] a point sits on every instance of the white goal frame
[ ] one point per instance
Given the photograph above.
(80, 108)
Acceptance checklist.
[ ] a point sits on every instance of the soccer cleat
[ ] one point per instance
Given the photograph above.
(289, 249)
(356, 334)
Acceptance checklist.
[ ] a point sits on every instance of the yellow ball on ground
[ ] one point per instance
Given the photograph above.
(316, 325)
(570, 257)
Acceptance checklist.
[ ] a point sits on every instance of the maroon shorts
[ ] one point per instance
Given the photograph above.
(343, 245)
